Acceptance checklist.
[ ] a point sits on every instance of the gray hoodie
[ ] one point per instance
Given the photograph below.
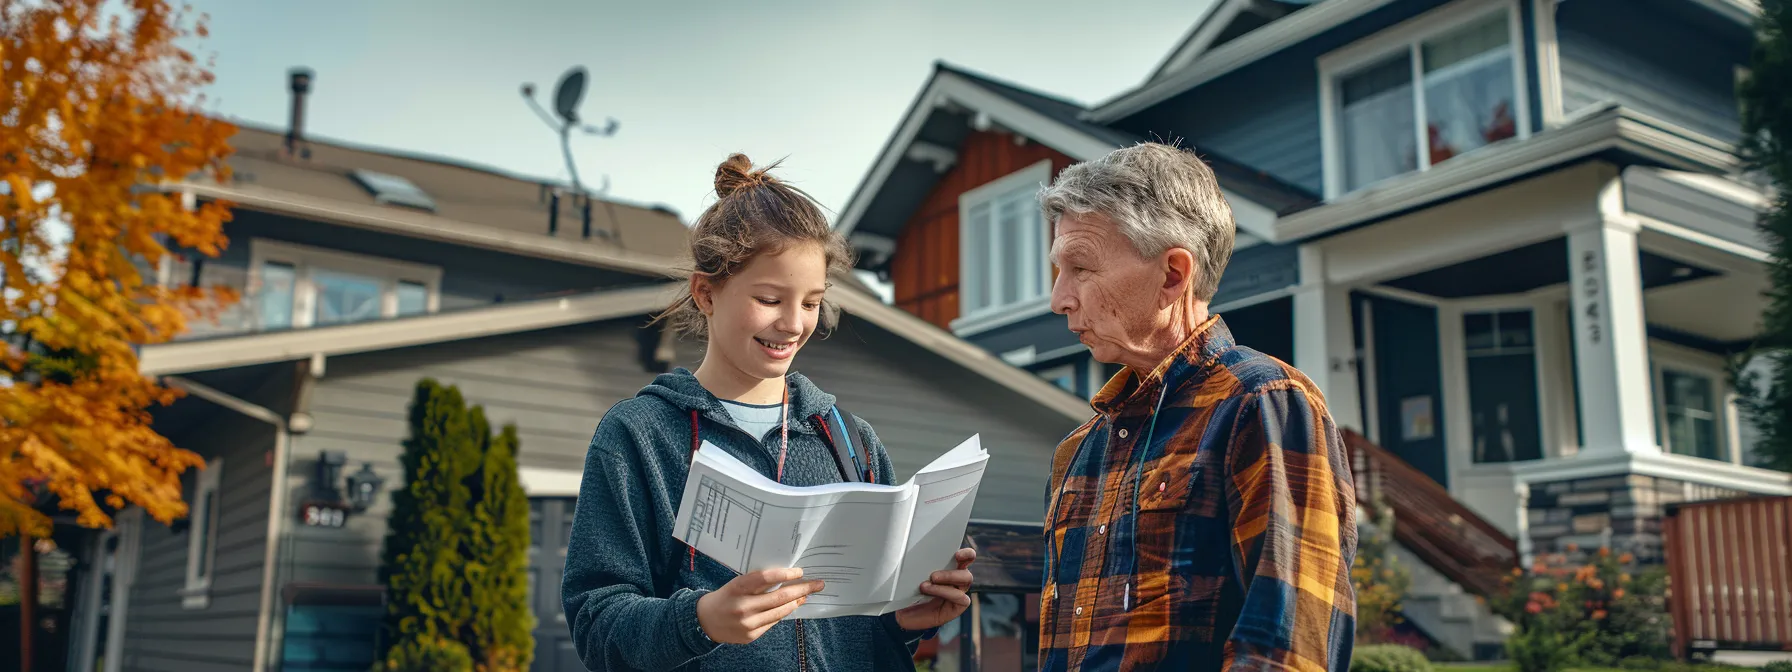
(629, 589)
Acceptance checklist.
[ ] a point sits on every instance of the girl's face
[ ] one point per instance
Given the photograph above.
(759, 318)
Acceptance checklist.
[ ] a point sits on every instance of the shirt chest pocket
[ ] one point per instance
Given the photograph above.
(1168, 489)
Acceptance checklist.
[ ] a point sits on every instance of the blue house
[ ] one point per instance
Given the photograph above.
(1508, 238)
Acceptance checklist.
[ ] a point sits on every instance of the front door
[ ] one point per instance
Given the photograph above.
(550, 523)
(1408, 384)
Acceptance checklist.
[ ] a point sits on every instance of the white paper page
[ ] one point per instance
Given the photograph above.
(842, 535)
(946, 490)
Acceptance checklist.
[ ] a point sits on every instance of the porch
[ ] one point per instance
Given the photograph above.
(1552, 352)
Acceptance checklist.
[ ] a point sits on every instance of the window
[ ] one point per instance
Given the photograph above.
(1692, 401)
(1002, 253)
(1431, 90)
(1502, 387)
(1689, 413)
(202, 537)
(393, 190)
(1063, 375)
(298, 286)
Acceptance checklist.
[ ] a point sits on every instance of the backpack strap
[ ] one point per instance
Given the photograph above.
(851, 450)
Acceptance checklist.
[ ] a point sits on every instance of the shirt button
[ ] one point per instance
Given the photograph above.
(1079, 611)
(1104, 529)
(1122, 433)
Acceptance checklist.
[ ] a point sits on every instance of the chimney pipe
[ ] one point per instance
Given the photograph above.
(300, 79)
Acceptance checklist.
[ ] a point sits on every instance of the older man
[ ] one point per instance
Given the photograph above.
(1204, 519)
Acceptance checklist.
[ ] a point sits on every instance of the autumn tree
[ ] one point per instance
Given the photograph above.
(1765, 97)
(99, 104)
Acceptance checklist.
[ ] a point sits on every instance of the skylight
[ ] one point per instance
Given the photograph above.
(393, 190)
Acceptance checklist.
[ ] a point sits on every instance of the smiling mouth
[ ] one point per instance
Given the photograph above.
(780, 347)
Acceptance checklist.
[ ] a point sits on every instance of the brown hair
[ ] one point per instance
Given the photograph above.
(754, 214)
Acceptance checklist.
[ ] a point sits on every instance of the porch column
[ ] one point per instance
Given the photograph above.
(1325, 339)
(1610, 346)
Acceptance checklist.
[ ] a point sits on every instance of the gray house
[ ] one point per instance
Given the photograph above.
(363, 271)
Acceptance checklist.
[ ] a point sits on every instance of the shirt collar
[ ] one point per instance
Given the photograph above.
(1184, 363)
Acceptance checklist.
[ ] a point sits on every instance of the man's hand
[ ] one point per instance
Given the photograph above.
(950, 598)
(741, 611)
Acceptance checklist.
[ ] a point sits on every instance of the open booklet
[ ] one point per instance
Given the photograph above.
(873, 545)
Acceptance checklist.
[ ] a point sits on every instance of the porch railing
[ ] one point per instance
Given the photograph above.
(1446, 535)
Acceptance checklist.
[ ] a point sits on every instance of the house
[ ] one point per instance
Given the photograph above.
(1508, 238)
(363, 271)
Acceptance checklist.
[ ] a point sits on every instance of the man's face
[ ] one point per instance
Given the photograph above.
(1110, 293)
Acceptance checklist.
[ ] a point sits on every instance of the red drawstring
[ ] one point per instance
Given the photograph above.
(695, 444)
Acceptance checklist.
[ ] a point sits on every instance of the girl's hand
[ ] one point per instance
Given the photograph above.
(950, 596)
(741, 611)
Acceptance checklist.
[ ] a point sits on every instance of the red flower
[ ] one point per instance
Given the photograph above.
(1533, 608)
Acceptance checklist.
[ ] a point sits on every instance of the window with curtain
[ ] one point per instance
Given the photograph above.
(1003, 245)
(1426, 101)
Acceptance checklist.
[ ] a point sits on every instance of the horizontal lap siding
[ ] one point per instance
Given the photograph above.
(163, 635)
(556, 386)
(1611, 51)
(924, 269)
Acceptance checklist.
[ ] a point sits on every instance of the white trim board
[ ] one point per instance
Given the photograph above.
(948, 88)
(503, 318)
(218, 353)
(1612, 128)
(1282, 34)
(429, 227)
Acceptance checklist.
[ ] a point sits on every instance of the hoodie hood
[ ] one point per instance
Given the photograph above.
(682, 390)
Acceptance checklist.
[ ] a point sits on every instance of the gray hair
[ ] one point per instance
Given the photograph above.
(1160, 197)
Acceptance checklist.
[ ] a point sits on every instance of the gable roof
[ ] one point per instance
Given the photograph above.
(464, 194)
(954, 99)
(225, 352)
(1221, 22)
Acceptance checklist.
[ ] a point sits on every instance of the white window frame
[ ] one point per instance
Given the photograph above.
(989, 317)
(304, 259)
(1664, 356)
(202, 542)
(1348, 59)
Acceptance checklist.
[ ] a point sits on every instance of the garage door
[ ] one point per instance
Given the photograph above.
(550, 525)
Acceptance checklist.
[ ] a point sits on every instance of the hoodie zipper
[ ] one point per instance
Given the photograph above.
(802, 649)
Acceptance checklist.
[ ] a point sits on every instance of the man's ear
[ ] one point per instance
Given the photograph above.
(1179, 273)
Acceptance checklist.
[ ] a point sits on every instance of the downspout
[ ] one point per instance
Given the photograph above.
(276, 500)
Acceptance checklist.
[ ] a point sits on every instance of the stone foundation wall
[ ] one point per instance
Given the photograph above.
(1620, 512)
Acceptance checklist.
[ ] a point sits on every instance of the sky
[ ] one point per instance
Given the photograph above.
(820, 85)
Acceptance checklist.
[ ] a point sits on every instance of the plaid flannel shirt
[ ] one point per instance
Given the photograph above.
(1237, 552)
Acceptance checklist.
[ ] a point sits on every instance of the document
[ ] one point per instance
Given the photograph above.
(873, 545)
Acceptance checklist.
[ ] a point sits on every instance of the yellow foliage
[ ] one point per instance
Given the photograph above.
(100, 106)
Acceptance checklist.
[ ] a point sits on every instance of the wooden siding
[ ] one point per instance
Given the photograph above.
(557, 384)
(924, 268)
(160, 634)
(1612, 51)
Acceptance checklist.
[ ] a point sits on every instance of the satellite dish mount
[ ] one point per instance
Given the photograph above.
(568, 93)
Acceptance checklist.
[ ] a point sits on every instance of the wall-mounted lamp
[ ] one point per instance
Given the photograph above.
(328, 506)
(364, 487)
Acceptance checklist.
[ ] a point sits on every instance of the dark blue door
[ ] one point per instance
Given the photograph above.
(1409, 387)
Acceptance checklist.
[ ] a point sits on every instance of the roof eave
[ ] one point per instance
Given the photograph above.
(427, 227)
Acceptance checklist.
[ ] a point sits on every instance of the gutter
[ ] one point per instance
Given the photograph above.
(428, 227)
(276, 502)
(1612, 128)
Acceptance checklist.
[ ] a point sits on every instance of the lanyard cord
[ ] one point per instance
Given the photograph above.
(1138, 480)
(783, 448)
(1051, 550)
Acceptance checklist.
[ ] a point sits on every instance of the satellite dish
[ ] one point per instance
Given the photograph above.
(569, 92)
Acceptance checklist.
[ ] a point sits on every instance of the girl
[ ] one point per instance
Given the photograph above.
(638, 599)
